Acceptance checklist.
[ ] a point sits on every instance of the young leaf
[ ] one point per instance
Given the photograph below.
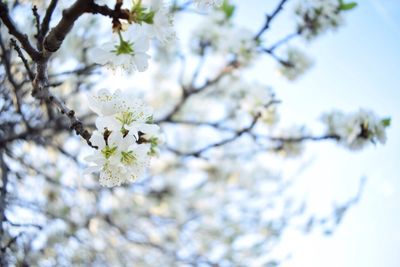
(347, 6)
(386, 122)
(228, 9)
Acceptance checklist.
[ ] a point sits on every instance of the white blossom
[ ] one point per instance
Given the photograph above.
(133, 116)
(240, 42)
(259, 98)
(356, 130)
(318, 16)
(130, 54)
(295, 65)
(105, 103)
(119, 160)
(162, 26)
(218, 33)
(208, 32)
(125, 138)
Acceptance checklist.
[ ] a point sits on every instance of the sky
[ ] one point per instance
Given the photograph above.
(356, 67)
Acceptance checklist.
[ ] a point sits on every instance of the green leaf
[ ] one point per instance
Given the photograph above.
(228, 9)
(347, 6)
(147, 17)
(386, 122)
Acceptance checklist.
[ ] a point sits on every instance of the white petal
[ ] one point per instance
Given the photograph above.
(108, 122)
(141, 61)
(97, 139)
(142, 44)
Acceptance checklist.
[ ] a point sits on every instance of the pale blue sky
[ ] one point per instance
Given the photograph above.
(358, 66)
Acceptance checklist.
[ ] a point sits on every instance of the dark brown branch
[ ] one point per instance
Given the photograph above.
(51, 44)
(10, 77)
(57, 35)
(37, 20)
(108, 12)
(75, 123)
(44, 28)
(5, 54)
(12, 29)
(22, 57)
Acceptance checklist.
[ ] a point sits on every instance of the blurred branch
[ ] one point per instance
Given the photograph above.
(300, 139)
(223, 142)
(331, 222)
(24, 225)
(22, 57)
(283, 41)
(187, 93)
(270, 18)
(3, 203)
(78, 71)
(8, 245)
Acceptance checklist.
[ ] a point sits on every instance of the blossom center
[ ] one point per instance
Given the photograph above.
(125, 118)
(128, 157)
(108, 152)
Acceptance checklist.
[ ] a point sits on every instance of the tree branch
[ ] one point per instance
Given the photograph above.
(270, 18)
(223, 142)
(44, 27)
(57, 35)
(22, 38)
(75, 123)
(22, 57)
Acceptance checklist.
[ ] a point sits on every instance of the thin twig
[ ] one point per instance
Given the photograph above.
(22, 57)
(270, 18)
(22, 38)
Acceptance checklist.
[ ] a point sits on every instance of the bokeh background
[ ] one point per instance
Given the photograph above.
(357, 66)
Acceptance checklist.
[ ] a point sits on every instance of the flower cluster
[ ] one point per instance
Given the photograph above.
(148, 19)
(219, 33)
(318, 16)
(295, 65)
(125, 138)
(356, 130)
